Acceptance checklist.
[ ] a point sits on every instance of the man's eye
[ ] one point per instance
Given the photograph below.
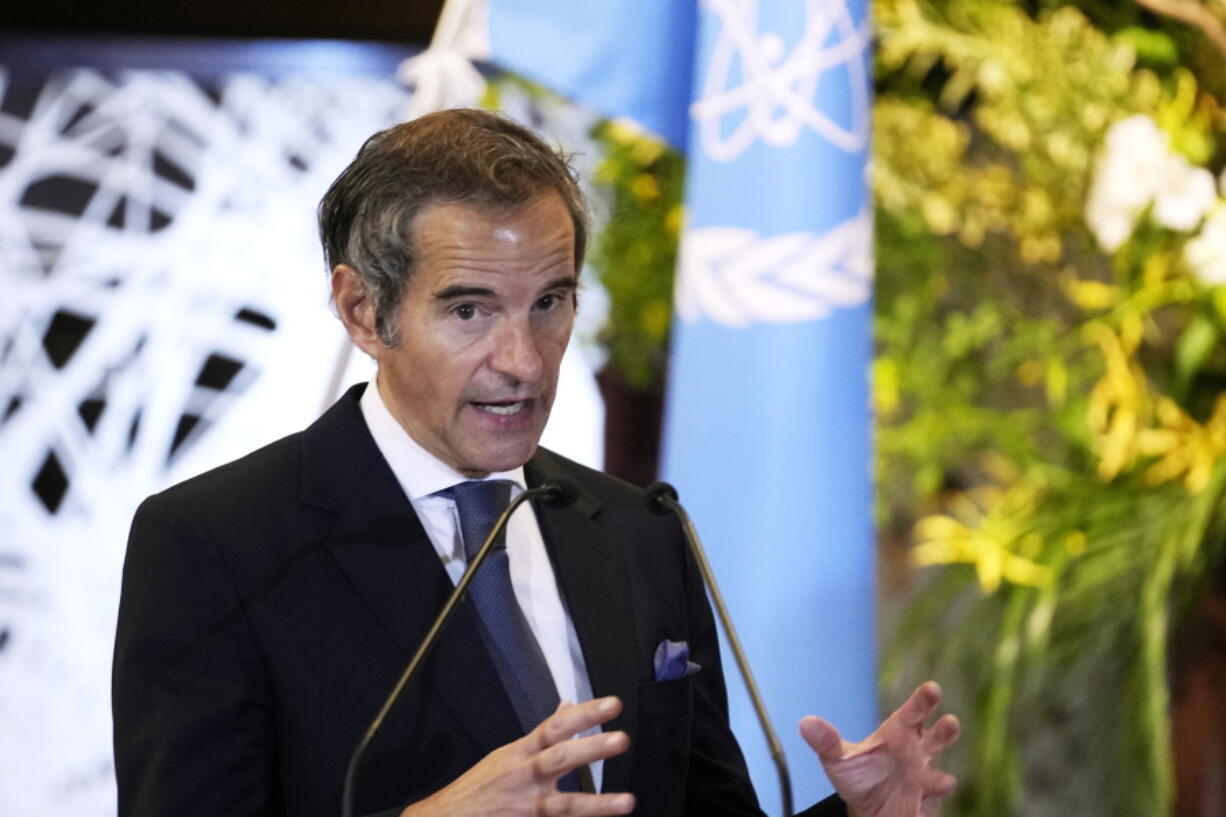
(465, 311)
(549, 301)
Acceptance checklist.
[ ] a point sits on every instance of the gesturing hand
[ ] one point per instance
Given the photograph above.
(887, 774)
(520, 779)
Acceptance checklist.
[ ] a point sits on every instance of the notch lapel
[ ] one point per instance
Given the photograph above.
(380, 545)
(591, 574)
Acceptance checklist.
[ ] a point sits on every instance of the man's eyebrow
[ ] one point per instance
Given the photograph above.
(565, 282)
(462, 291)
(467, 291)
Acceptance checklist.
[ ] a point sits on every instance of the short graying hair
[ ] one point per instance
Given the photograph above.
(454, 156)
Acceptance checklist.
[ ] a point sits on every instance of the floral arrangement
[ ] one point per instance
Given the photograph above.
(1052, 427)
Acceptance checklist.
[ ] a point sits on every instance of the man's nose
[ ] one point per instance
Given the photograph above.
(516, 352)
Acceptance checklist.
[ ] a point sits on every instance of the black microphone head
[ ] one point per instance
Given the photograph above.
(657, 495)
(562, 493)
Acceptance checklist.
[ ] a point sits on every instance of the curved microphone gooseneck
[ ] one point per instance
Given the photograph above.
(555, 493)
(662, 499)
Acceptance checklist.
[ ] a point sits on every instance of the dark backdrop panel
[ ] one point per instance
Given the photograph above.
(406, 22)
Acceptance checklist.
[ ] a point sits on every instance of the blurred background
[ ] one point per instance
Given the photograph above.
(951, 305)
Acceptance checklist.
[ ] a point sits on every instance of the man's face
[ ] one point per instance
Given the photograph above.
(482, 326)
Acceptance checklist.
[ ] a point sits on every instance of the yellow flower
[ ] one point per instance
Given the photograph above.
(623, 131)
(1118, 402)
(939, 214)
(1057, 381)
(887, 394)
(645, 187)
(1030, 372)
(646, 150)
(1075, 543)
(1185, 447)
(655, 319)
(1092, 295)
(994, 545)
(675, 219)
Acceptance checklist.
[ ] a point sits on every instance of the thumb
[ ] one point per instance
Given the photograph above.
(822, 738)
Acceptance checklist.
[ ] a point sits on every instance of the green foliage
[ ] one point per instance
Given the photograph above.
(1048, 400)
(635, 254)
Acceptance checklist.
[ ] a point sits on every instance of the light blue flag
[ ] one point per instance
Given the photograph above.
(767, 424)
(630, 58)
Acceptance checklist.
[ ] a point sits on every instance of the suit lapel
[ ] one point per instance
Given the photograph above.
(592, 579)
(380, 545)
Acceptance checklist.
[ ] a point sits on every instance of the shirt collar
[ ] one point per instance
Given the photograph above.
(419, 472)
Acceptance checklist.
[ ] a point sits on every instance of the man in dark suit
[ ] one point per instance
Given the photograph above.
(269, 605)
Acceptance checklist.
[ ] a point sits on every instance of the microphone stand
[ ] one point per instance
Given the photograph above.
(665, 495)
(557, 494)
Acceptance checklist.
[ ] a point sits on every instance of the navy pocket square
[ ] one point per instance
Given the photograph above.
(672, 661)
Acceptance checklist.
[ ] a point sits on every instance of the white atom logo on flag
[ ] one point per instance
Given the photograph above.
(777, 94)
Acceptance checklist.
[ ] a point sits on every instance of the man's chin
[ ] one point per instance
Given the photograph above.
(496, 459)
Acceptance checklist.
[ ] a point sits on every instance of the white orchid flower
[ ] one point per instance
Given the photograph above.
(1186, 194)
(1206, 253)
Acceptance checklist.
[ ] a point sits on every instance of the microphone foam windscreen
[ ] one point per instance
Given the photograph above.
(657, 493)
(563, 493)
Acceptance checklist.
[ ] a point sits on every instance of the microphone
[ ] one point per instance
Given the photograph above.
(555, 494)
(662, 500)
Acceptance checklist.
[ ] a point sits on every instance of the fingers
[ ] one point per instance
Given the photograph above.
(822, 738)
(551, 751)
(937, 783)
(557, 754)
(562, 757)
(920, 706)
(586, 805)
(571, 719)
(942, 735)
(521, 777)
(893, 763)
(937, 786)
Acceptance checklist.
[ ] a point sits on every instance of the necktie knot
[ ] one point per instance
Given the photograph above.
(478, 505)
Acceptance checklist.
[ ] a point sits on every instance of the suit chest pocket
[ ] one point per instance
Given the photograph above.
(666, 699)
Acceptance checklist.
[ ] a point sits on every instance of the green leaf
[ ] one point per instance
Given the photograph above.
(1195, 344)
(1154, 47)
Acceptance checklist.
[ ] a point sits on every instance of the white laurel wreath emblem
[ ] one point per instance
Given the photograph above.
(735, 277)
(776, 98)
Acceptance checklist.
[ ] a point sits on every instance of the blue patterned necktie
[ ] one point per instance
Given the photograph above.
(504, 629)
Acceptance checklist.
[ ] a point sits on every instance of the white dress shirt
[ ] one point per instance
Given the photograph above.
(422, 475)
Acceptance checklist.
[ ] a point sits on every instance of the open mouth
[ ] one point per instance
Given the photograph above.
(503, 409)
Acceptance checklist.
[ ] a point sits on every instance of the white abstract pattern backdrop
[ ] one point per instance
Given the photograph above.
(163, 309)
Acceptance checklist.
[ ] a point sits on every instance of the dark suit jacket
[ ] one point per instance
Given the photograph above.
(268, 607)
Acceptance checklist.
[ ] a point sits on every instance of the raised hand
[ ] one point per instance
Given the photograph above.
(888, 774)
(520, 779)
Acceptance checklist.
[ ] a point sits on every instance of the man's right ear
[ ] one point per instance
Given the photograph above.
(356, 309)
